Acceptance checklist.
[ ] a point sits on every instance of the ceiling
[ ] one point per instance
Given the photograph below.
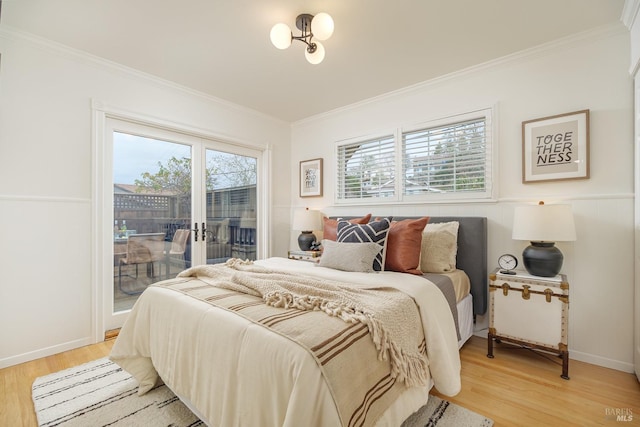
(222, 48)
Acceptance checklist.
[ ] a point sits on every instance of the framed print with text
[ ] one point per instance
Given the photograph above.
(556, 147)
(311, 178)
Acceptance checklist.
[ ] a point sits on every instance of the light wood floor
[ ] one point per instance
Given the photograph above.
(522, 388)
(16, 406)
(516, 388)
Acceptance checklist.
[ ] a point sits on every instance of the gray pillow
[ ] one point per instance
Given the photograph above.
(349, 256)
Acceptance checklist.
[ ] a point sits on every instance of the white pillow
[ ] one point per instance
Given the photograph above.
(439, 247)
(349, 256)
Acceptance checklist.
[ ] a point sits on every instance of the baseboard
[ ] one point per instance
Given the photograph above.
(482, 333)
(44, 352)
(601, 361)
(584, 357)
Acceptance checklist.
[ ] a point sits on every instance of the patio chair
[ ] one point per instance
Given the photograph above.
(141, 249)
(178, 248)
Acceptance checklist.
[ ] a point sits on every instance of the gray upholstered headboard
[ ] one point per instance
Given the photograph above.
(472, 253)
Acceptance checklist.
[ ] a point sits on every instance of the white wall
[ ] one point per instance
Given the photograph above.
(589, 71)
(45, 180)
(45, 175)
(631, 18)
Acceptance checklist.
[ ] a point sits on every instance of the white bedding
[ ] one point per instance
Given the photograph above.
(234, 372)
(465, 319)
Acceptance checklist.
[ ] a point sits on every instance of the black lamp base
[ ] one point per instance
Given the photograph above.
(305, 240)
(542, 259)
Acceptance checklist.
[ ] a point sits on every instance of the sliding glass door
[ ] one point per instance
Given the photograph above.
(172, 200)
(151, 213)
(231, 206)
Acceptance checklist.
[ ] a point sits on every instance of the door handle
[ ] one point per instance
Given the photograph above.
(195, 232)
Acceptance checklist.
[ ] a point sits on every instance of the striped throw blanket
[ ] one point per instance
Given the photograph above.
(368, 342)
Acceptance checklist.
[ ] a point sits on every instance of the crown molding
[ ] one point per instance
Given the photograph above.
(630, 12)
(55, 48)
(571, 41)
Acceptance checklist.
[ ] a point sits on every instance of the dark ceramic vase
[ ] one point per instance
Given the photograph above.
(542, 259)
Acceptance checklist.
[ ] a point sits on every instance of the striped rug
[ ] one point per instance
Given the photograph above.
(442, 413)
(99, 393)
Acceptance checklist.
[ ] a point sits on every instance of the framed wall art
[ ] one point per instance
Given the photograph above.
(311, 178)
(556, 147)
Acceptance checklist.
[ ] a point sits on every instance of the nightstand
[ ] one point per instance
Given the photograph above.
(530, 311)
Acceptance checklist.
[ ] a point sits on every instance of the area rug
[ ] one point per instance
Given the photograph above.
(100, 393)
(442, 413)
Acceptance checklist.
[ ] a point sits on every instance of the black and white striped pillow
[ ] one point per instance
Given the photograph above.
(375, 231)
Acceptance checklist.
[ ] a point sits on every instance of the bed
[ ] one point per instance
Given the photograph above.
(471, 274)
(235, 360)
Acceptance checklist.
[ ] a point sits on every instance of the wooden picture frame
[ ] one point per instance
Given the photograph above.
(556, 147)
(311, 178)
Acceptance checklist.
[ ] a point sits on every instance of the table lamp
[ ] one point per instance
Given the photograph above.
(306, 221)
(543, 225)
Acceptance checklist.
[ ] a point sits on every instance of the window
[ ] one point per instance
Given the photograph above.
(366, 169)
(442, 160)
(449, 158)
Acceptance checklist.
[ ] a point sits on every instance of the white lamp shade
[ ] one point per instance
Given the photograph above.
(317, 56)
(544, 223)
(322, 26)
(306, 220)
(281, 36)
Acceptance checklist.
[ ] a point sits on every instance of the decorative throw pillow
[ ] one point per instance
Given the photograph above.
(331, 226)
(439, 247)
(349, 256)
(375, 231)
(404, 243)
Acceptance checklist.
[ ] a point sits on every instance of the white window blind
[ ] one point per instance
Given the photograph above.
(445, 159)
(367, 169)
(449, 158)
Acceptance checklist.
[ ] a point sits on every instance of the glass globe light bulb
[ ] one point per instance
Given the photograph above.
(317, 56)
(322, 26)
(281, 36)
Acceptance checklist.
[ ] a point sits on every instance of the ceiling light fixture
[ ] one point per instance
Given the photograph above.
(319, 27)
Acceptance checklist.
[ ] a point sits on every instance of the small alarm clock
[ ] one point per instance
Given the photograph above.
(507, 263)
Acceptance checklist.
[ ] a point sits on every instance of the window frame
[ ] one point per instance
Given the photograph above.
(363, 140)
(398, 133)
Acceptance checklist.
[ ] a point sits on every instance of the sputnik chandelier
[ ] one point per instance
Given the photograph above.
(319, 27)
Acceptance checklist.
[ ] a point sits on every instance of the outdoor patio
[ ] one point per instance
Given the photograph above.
(155, 219)
(134, 286)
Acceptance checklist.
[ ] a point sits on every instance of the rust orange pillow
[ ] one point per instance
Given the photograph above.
(331, 226)
(403, 245)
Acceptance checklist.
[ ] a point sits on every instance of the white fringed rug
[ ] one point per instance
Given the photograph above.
(442, 413)
(100, 393)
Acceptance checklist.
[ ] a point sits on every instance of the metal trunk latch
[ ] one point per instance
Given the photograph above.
(525, 292)
(505, 289)
(548, 293)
